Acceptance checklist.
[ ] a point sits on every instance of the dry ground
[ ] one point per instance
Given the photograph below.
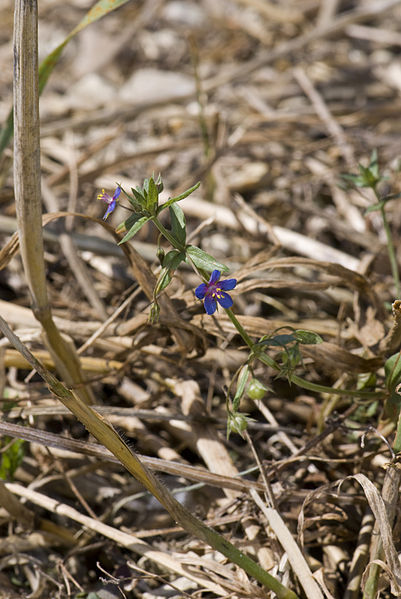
(266, 103)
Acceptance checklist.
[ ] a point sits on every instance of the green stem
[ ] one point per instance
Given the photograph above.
(397, 440)
(240, 328)
(390, 247)
(265, 359)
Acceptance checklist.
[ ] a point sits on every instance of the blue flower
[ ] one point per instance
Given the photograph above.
(215, 290)
(111, 201)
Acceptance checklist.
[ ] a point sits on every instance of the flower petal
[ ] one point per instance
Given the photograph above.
(116, 193)
(224, 300)
(214, 277)
(200, 291)
(228, 284)
(210, 305)
(110, 209)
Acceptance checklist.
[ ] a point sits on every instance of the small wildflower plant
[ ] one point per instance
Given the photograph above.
(369, 177)
(145, 207)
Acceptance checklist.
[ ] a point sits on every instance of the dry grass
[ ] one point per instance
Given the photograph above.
(290, 95)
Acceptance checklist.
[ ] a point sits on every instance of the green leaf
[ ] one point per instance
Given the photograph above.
(178, 198)
(392, 370)
(278, 340)
(178, 227)
(139, 196)
(129, 222)
(153, 196)
(133, 200)
(12, 458)
(204, 261)
(307, 337)
(135, 228)
(374, 165)
(375, 207)
(172, 259)
(391, 196)
(99, 10)
(369, 176)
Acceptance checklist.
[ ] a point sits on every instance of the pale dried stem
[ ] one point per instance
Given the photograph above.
(27, 189)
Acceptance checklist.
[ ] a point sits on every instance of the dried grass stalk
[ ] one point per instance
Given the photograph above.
(27, 190)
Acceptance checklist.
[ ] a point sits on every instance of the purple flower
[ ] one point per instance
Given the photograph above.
(111, 201)
(215, 290)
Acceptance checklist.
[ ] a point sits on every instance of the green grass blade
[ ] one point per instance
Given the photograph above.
(99, 10)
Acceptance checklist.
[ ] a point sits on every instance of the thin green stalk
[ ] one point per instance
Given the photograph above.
(390, 246)
(397, 440)
(240, 328)
(263, 357)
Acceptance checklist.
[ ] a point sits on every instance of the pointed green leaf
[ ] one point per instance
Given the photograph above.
(178, 198)
(134, 229)
(278, 340)
(153, 196)
(374, 164)
(392, 370)
(375, 207)
(178, 227)
(204, 261)
(307, 337)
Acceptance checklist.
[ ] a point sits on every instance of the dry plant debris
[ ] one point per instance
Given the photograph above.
(267, 104)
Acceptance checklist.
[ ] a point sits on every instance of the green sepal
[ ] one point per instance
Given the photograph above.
(163, 280)
(241, 382)
(256, 390)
